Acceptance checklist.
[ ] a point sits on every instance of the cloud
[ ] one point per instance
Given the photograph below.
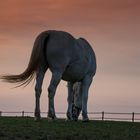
(26, 13)
(110, 25)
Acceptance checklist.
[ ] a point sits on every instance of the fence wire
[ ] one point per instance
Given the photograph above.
(115, 116)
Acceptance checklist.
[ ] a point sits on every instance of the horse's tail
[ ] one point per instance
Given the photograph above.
(28, 75)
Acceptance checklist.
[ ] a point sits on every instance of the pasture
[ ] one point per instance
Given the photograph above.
(25, 128)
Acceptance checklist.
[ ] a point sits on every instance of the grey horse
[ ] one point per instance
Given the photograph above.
(68, 58)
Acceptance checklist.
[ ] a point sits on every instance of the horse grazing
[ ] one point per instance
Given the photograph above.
(70, 59)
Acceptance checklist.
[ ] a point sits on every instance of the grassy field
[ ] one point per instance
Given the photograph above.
(16, 128)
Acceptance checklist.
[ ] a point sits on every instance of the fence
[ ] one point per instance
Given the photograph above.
(92, 115)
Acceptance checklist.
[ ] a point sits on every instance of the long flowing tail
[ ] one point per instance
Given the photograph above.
(28, 75)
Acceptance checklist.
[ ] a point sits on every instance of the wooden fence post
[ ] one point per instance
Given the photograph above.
(133, 116)
(22, 113)
(0, 113)
(103, 115)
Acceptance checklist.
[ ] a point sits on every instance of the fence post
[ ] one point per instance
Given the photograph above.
(133, 116)
(22, 113)
(0, 113)
(103, 115)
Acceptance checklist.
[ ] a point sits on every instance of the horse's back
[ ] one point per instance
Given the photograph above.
(60, 49)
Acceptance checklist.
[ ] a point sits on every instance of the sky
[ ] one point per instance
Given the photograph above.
(112, 27)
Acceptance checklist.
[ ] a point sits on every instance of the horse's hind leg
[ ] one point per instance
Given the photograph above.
(70, 100)
(56, 77)
(38, 89)
(85, 88)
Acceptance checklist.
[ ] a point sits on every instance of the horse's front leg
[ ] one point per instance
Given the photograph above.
(38, 90)
(77, 99)
(56, 77)
(85, 88)
(70, 100)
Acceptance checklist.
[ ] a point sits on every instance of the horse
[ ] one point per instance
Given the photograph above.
(70, 59)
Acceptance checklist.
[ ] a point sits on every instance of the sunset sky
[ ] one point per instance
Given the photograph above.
(112, 27)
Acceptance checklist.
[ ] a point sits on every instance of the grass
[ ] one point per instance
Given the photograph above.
(17, 128)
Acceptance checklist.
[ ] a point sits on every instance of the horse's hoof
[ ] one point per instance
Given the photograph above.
(75, 119)
(85, 120)
(69, 118)
(50, 119)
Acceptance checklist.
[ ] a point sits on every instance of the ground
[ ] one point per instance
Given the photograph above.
(18, 128)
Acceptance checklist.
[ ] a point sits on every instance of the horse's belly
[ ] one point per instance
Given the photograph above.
(75, 72)
(67, 76)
